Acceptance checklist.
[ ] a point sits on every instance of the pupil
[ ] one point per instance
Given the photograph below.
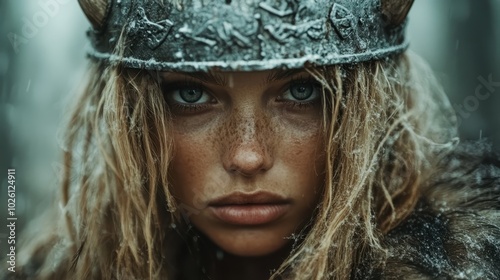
(301, 91)
(191, 95)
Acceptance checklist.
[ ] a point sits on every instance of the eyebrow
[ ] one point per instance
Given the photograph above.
(220, 80)
(210, 77)
(279, 75)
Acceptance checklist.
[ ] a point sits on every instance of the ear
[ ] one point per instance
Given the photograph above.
(96, 11)
(395, 11)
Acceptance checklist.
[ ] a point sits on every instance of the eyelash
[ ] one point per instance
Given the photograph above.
(169, 88)
(300, 104)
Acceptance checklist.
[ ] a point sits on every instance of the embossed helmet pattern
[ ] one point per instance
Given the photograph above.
(245, 35)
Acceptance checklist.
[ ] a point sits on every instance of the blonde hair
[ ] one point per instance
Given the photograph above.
(383, 122)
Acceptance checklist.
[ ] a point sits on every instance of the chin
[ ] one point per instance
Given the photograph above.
(249, 242)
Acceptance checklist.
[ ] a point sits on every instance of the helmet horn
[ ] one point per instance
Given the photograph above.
(395, 11)
(96, 11)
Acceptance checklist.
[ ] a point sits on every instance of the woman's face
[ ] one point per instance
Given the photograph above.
(248, 155)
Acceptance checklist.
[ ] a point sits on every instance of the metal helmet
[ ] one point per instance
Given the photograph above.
(244, 35)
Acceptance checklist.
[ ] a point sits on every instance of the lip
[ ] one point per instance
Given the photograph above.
(249, 209)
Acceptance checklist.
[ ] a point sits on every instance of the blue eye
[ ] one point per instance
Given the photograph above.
(190, 95)
(187, 97)
(302, 91)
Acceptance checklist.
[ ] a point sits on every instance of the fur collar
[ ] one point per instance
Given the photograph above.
(454, 232)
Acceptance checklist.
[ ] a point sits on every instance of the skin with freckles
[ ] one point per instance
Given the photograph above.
(246, 133)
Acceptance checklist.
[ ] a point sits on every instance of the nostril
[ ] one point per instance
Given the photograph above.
(242, 172)
(247, 161)
(228, 2)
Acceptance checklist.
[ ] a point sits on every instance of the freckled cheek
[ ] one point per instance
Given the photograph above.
(308, 164)
(303, 154)
(193, 160)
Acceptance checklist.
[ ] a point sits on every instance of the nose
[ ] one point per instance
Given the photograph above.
(248, 150)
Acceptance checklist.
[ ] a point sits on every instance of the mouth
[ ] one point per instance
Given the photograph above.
(249, 209)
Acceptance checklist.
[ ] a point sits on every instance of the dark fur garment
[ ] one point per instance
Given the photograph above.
(454, 232)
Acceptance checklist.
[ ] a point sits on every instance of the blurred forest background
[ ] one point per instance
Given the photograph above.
(42, 62)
